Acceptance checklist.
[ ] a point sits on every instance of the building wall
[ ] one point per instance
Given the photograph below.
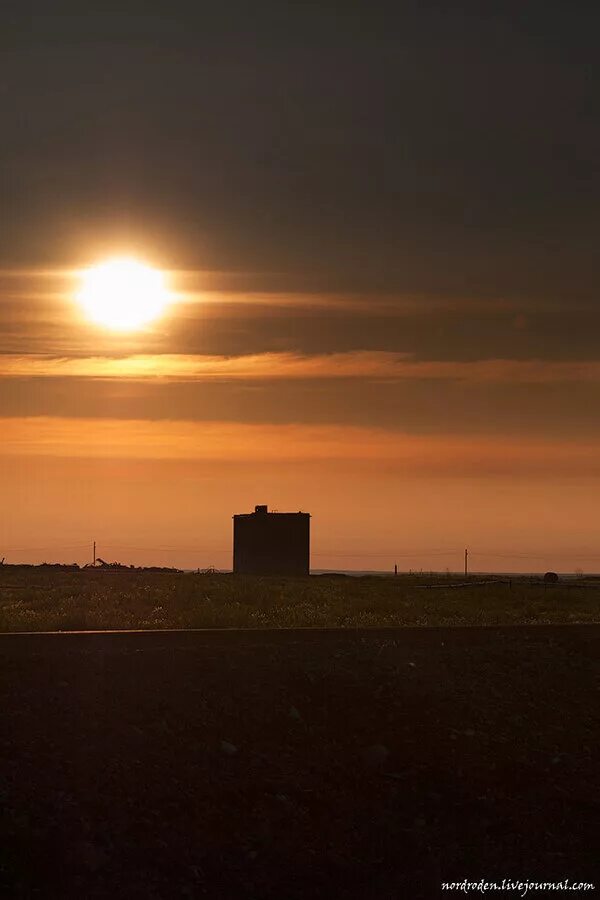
(267, 543)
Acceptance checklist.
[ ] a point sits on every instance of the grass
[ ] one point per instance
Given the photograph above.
(40, 599)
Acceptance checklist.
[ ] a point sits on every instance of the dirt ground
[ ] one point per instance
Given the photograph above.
(297, 764)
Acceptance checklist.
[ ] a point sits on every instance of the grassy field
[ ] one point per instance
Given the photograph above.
(46, 598)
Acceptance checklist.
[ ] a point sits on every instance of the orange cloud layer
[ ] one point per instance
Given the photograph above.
(358, 364)
(234, 442)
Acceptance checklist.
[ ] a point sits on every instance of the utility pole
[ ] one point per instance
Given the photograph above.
(94, 559)
(466, 562)
(396, 569)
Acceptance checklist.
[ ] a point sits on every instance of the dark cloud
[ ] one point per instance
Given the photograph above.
(437, 335)
(425, 328)
(408, 147)
(426, 406)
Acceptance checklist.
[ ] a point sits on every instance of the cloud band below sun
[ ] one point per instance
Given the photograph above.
(394, 451)
(358, 364)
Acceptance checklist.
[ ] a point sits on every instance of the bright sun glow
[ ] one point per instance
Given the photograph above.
(122, 294)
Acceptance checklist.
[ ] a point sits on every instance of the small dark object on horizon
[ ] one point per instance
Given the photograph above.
(551, 578)
(333, 575)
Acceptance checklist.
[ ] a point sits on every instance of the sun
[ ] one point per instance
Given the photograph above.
(122, 294)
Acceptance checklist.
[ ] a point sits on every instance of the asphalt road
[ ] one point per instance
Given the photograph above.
(297, 764)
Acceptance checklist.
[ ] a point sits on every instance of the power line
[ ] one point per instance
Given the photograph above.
(433, 551)
(116, 547)
(53, 549)
(536, 556)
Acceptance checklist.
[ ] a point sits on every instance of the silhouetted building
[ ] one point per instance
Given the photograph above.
(271, 543)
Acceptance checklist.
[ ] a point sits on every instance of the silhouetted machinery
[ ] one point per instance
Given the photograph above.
(106, 565)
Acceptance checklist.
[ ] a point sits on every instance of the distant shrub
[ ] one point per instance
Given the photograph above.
(551, 578)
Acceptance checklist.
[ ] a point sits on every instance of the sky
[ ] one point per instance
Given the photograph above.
(378, 223)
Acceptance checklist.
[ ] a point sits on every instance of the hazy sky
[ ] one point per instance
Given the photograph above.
(380, 224)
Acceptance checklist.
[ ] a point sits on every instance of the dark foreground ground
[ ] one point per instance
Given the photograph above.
(297, 764)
